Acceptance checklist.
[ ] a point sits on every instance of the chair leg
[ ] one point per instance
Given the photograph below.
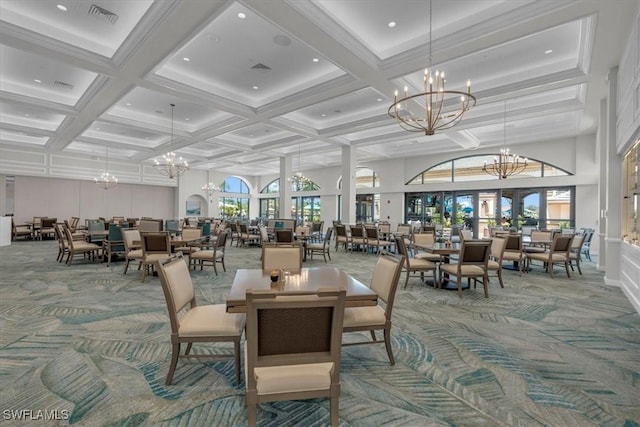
(566, 267)
(485, 283)
(175, 353)
(252, 410)
(459, 280)
(406, 280)
(500, 277)
(387, 344)
(578, 265)
(236, 348)
(333, 408)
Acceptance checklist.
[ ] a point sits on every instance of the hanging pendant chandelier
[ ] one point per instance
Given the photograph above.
(106, 180)
(210, 189)
(505, 164)
(432, 107)
(171, 165)
(298, 181)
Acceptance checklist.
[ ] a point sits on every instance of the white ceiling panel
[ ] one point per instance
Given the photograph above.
(99, 26)
(248, 92)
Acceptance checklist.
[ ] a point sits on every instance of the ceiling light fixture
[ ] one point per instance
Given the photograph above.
(298, 181)
(210, 188)
(505, 164)
(171, 165)
(431, 115)
(106, 180)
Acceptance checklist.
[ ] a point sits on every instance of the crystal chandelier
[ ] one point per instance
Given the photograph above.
(298, 181)
(432, 101)
(505, 164)
(171, 165)
(210, 188)
(106, 180)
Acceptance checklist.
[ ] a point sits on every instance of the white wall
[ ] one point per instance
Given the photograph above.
(627, 132)
(64, 198)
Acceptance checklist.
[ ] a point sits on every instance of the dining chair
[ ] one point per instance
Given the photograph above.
(425, 240)
(575, 254)
(558, 253)
(322, 247)
(63, 246)
(513, 251)
(210, 256)
(287, 256)
(342, 237)
(113, 243)
(47, 228)
(193, 323)
(374, 240)
(539, 238)
(293, 348)
(132, 248)
(496, 257)
(80, 247)
(284, 236)
(247, 237)
(415, 265)
(20, 230)
(386, 275)
(472, 264)
(191, 241)
(156, 246)
(358, 238)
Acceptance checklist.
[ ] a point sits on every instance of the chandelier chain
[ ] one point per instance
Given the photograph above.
(106, 180)
(171, 165)
(505, 164)
(437, 110)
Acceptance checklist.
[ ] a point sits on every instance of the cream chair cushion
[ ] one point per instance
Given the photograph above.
(364, 316)
(210, 320)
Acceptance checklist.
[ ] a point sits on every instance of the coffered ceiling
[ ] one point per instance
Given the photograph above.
(256, 80)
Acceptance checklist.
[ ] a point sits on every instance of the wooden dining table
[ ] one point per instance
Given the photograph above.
(307, 280)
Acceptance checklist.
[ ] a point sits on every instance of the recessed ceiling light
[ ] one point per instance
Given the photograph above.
(315, 60)
(97, 128)
(391, 24)
(186, 59)
(241, 15)
(379, 99)
(548, 51)
(187, 119)
(324, 115)
(37, 80)
(128, 104)
(62, 7)
(255, 88)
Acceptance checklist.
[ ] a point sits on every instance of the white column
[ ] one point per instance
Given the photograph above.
(601, 160)
(348, 185)
(285, 187)
(613, 238)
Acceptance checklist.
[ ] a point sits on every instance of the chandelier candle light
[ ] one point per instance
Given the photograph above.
(171, 165)
(505, 164)
(432, 101)
(210, 188)
(106, 180)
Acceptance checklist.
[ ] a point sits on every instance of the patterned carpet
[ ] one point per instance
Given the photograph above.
(92, 344)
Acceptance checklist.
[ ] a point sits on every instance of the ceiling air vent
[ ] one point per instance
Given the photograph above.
(62, 85)
(261, 67)
(103, 14)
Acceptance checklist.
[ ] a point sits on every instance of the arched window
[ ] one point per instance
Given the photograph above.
(470, 169)
(233, 184)
(272, 187)
(304, 184)
(365, 178)
(234, 207)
